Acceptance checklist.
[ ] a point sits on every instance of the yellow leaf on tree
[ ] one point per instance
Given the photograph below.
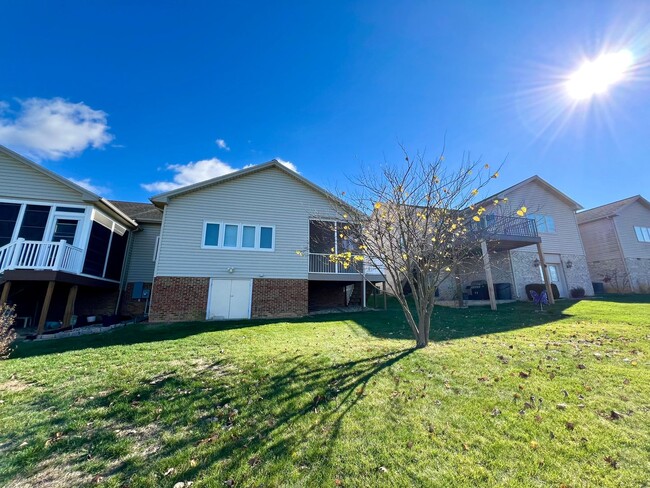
(378, 205)
(474, 191)
(520, 213)
(476, 218)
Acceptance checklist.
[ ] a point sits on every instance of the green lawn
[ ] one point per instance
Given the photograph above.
(512, 398)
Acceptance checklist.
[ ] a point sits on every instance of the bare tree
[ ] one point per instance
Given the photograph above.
(419, 220)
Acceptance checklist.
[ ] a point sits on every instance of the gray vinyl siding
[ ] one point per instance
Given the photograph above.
(538, 200)
(19, 181)
(599, 239)
(636, 214)
(270, 198)
(141, 264)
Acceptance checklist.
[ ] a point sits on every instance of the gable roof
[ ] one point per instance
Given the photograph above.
(543, 183)
(162, 199)
(609, 209)
(86, 195)
(141, 212)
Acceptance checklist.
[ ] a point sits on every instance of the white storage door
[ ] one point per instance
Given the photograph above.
(229, 299)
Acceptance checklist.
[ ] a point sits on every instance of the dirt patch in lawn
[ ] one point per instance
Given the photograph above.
(55, 472)
(14, 386)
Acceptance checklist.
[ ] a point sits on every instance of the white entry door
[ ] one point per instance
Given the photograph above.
(554, 274)
(229, 299)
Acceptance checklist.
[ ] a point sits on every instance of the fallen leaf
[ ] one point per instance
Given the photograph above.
(611, 461)
(409, 444)
(570, 425)
(524, 374)
(614, 415)
(581, 366)
(534, 444)
(169, 471)
(383, 469)
(561, 406)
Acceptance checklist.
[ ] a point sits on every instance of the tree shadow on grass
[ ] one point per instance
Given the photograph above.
(215, 419)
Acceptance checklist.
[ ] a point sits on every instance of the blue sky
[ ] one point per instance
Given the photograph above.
(125, 94)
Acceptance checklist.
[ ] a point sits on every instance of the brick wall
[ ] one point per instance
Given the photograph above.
(279, 298)
(175, 299)
(95, 301)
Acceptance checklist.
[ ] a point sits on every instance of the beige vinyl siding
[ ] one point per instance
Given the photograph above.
(141, 264)
(19, 181)
(636, 214)
(599, 239)
(269, 198)
(538, 200)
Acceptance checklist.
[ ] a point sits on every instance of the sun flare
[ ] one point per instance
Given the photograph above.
(595, 77)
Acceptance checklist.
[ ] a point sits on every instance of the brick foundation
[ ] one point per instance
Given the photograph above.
(279, 298)
(175, 299)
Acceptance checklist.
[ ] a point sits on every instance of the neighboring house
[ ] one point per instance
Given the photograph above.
(253, 243)
(62, 247)
(617, 242)
(513, 244)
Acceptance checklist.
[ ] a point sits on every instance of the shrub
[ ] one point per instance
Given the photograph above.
(539, 288)
(7, 332)
(577, 292)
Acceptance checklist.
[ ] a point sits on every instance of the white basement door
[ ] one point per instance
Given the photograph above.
(229, 299)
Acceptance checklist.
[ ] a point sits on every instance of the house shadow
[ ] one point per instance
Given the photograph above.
(447, 324)
(216, 415)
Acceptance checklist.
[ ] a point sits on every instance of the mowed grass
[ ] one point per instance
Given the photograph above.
(507, 398)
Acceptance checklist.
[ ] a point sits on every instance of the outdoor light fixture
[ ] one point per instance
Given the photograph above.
(536, 263)
(231, 270)
(569, 264)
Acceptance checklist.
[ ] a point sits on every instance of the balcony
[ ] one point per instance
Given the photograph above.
(504, 233)
(41, 255)
(322, 265)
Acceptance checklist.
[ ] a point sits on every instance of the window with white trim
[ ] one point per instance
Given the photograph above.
(642, 233)
(545, 223)
(221, 235)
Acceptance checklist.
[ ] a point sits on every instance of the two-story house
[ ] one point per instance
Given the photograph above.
(519, 250)
(616, 237)
(62, 247)
(253, 243)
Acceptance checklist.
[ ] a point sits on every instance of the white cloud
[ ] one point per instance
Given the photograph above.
(88, 185)
(222, 144)
(192, 172)
(196, 171)
(52, 128)
(288, 164)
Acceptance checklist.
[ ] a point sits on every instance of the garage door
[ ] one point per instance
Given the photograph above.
(229, 299)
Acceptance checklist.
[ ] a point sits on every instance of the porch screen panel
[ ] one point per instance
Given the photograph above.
(97, 249)
(34, 221)
(8, 217)
(321, 237)
(116, 256)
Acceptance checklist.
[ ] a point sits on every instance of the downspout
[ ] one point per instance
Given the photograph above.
(620, 250)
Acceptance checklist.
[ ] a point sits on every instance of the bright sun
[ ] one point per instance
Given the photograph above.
(596, 76)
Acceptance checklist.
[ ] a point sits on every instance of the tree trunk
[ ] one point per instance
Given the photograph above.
(424, 325)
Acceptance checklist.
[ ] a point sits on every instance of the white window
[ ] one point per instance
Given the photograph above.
(211, 234)
(248, 236)
(230, 232)
(642, 233)
(238, 236)
(545, 223)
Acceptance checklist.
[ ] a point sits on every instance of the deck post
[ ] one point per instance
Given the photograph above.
(547, 279)
(385, 296)
(69, 307)
(46, 308)
(363, 290)
(488, 275)
(5, 292)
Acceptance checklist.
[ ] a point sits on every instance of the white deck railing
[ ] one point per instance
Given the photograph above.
(40, 255)
(321, 263)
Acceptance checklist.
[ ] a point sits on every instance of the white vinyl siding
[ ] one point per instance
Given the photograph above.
(600, 241)
(17, 180)
(540, 201)
(634, 215)
(143, 248)
(276, 203)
